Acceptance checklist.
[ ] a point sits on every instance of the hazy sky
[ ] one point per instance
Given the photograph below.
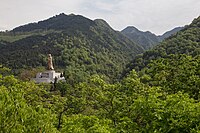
(156, 16)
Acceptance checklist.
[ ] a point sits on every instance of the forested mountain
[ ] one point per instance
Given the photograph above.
(96, 106)
(147, 39)
(80, 46)
(171, 32)
(159, 94)
(59, 22)
(162, 97)
(186, 41)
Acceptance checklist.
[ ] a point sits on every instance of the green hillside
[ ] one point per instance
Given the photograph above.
(147, 39)
(162, 96)
(79, 46)
(59, 22)
(174, 64)
(187, 41)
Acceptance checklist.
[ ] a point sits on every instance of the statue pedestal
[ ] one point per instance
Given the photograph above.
(48, 77)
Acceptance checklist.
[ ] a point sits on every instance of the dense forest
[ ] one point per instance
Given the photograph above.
(82, 48)
(187, 41)
(158, 92)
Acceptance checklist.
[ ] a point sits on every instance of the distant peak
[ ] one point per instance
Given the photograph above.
(130, 29)
(71, 14)
(101, 22)
(148, 32)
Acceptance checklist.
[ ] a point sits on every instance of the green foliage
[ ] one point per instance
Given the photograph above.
(184, 42)
(16, 114)
(161, 97)
(26, 75)
(176, 73)
(157, 112)
(86, 124)
(80, 46)
(164, 95)
(4, 70)
(58, 22)
(97, 106)
(145, 39)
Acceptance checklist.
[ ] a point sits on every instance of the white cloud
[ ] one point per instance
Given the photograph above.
(154, 15)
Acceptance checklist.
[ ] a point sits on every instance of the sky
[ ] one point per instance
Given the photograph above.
(157, 16)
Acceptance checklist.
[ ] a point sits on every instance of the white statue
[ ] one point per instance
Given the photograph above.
(50, 63)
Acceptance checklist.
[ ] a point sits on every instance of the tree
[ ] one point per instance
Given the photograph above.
(18, 116)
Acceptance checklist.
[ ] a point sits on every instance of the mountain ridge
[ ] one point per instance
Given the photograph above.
(57, 22)
(170, 32)
(82, 47)
(186, 41)
(147, 39)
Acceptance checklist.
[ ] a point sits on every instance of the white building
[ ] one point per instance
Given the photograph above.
(48, 77)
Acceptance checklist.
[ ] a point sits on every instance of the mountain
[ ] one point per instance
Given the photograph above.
(162, 96)
(58, 22)
(80, 46)
(147, 39)
(186, 41)
(171, 32)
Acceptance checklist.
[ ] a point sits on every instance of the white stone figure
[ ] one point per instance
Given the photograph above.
(50, 63)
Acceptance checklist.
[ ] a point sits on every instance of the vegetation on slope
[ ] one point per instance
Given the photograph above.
(187, 41)
(139, 103)
(81, 47)
(162, 96)
(147, 39)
